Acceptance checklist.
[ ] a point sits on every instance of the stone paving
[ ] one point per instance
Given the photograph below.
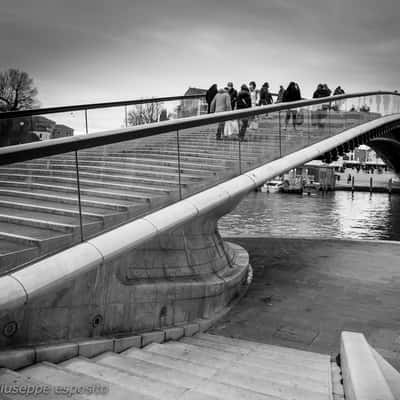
(305, 292)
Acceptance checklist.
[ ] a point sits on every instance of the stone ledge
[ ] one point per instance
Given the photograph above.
(191, 329)
(153, 337)
(18, 358)
(362, 377)
(124, 343)
(56, 353)
(92, 348)
(174, 333)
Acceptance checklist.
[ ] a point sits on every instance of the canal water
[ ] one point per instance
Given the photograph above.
(332, 215)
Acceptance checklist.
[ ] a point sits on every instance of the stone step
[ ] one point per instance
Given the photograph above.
(183, 349)
(219, 155)
(170, 362)
(262, 346)
(150, 370)
(14, 253)
(43, 238)
(89, 198)
(125, 379)
(196, 357)
(42, 220)
(94, 171)
(58, 376)
(99, 181)
(17, 206)
(162, 158)
(33, 388)
(281, 359)
(263, 384)
(99, 166)
(150, 161)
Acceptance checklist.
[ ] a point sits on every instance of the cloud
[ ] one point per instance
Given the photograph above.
(100, 50)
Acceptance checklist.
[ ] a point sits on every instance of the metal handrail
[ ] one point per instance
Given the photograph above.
(24, 152)
(92, 106)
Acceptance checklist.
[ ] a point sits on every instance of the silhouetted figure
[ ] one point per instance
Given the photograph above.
(265, 95)
(280, 94)
(210, 94)
(338, 91)
(292, 93)
(243, 101)
(233, 94)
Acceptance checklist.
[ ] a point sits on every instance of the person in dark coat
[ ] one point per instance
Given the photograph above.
(233, 93)
(338, 91)
(210, 94)
(265, 95)
(243, 101)
(292, 93)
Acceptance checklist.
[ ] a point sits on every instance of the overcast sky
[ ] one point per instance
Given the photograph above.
(98, 50)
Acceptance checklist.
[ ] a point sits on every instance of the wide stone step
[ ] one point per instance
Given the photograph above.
(31, 235)
(104, 198)
(99, 166)
(44, 220)
(95, 171)
(27, 387)
(170, 362)
(125, 379)
(14, 253)
(61, 377)
(262, 347)
(17, 206)
(151, 370)
(99, 181)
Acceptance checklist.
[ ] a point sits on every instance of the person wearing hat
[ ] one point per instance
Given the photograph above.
(233, 94)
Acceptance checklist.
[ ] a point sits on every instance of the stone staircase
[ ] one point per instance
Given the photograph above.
(39, 209)
(201, 367)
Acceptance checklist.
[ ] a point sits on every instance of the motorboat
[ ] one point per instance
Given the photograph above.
(272, 186)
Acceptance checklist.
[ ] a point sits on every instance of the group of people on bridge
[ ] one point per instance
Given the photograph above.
(228, 99)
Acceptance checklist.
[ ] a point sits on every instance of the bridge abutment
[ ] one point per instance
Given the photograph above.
(172, 279)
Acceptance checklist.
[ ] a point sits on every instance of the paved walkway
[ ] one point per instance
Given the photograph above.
(306, 291)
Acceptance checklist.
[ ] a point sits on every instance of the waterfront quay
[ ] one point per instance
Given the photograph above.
(306, 291)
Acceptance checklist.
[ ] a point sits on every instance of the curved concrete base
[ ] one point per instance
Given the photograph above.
(187, 274)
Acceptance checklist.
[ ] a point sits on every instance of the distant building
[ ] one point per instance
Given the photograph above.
(45, 128)
(60, 131)
(42, 124)
(193, 107)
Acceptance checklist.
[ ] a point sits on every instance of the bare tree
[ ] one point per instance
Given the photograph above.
(144, 114)
(17, 91)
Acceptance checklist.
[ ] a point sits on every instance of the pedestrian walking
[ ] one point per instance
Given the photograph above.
(233, 94)
(292, 93)
(221, 103)
(280, 94)
(243, 101)
(265, 95)
(210, 94)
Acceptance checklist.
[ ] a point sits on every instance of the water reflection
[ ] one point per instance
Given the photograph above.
(334, 215)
